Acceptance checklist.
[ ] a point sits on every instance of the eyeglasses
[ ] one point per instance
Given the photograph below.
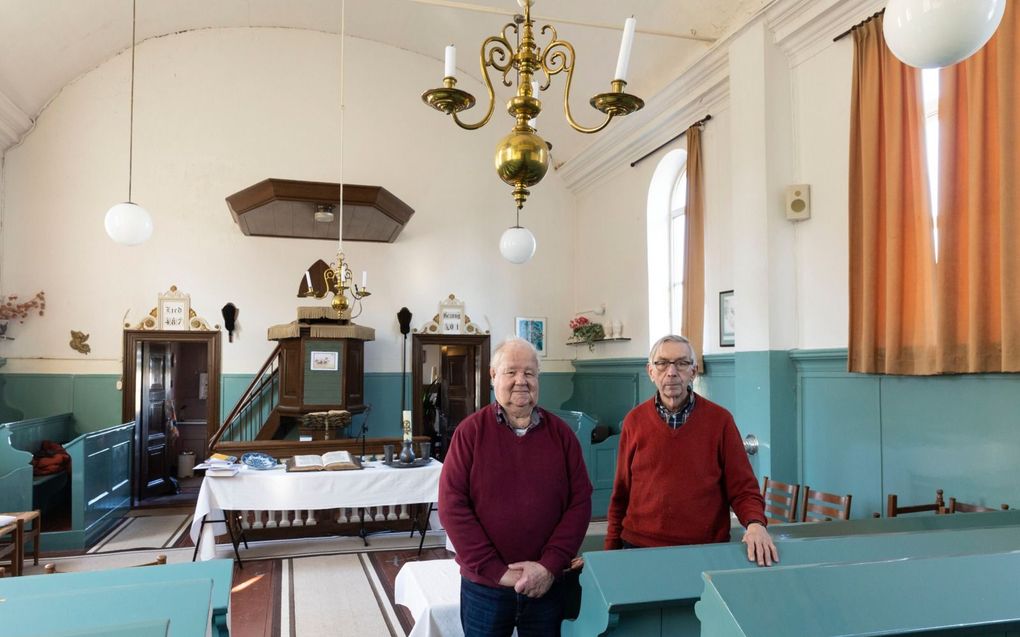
(681, 364)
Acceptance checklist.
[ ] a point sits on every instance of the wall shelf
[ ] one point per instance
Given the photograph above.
(599, 340)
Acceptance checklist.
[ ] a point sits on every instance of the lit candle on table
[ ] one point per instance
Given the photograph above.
(407, 425)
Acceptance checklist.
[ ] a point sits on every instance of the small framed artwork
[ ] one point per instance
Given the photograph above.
(727, 321)
(532, 329)
(173, 311)
(325, 361)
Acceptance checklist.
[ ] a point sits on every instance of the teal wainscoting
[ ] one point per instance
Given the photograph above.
(910, 435)
(93, 398)
(607, 389)
(717, 380)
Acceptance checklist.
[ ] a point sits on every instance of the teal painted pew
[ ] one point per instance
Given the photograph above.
(903, 524)
(220, 572)
(652, 591)
(973, 595)
(186, 603)
(599, 458)
(100, 480)
(153, 628)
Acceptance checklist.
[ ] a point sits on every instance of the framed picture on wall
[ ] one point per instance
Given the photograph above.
(727, 323)
(324, 361)
(532, 329)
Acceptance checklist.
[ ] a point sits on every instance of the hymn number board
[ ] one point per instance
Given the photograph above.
(173, 311)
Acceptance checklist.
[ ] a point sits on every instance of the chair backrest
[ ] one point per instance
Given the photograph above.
(780, 500)
(956, 506)
(892, 508)
(819, 506)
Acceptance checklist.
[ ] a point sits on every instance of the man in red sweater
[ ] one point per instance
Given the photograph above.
(681, 466)
(515, 500)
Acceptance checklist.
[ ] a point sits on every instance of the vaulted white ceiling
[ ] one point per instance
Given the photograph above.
(45, 44)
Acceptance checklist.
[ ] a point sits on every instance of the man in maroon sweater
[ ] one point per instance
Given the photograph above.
(681, 466)
(515, 500)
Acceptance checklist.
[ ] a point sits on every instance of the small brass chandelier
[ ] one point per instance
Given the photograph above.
(522, 157)
(337, 278)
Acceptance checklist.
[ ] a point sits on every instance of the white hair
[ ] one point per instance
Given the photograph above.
(512, 341)
(669, 338)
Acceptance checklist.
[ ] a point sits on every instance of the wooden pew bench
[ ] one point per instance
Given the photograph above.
(653, 591)
(184, 602)
(219, 572)
(99, 481)
(972, 595)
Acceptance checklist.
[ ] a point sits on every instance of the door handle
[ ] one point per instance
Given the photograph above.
(751, 444)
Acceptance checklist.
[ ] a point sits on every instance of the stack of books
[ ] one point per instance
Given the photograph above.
(219, 465)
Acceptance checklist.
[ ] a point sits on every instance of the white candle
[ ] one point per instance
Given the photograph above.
(451, 61)
(623, 61)
(406, 418)
(308, 279)
(364, 279)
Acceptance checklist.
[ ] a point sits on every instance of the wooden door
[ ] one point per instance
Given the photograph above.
(154, 421)
(459, 383)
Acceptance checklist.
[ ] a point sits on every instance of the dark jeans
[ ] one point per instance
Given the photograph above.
(494, 612)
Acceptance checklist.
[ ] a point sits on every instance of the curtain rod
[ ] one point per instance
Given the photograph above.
(669, 141)
(859, 24)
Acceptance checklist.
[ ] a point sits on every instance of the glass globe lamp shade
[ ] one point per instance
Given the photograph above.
(932, 34)
(517, 245)
(128, 224)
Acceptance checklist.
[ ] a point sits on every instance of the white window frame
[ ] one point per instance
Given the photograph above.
(659, 216)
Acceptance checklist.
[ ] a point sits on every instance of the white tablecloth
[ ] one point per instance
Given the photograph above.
(431, 591)
(278, 490)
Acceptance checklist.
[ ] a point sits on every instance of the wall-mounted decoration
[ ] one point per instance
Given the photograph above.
(78, 343)
(727, 320)
(230, 313)
(324, 361)
(173, 313)
(532, 329)
(451, 319)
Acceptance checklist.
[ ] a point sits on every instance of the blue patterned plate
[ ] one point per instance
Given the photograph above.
(258, 460)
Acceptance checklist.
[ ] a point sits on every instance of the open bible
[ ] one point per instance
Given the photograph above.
(332, 461)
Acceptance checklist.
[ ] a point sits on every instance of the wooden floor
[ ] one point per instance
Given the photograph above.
(254, 602)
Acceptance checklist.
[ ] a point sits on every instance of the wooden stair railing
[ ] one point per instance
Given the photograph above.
(254, 416)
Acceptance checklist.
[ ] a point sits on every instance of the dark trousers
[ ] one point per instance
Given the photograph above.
(495, 612)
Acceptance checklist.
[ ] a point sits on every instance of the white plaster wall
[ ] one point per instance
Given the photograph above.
(218, 110)
(822, 87)
(807, 276)
(612, 244)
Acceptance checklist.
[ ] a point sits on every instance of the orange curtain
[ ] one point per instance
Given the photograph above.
(892, 265)
(693, 319)
(979, 207)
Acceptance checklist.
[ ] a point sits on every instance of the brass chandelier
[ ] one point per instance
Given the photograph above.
(522, 157)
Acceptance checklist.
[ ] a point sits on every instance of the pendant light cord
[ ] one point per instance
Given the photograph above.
(343, 25)
(131, 116)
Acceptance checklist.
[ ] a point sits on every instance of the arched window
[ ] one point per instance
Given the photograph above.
(667, 207)
(677, 243)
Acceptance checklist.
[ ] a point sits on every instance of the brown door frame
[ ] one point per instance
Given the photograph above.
(480, 345)
(132, 339)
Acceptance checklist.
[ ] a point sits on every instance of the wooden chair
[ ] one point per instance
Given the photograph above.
(780, 500)
(819, 506)
(956, 506)
(30, 528)
(11, 548)
(892, 508)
